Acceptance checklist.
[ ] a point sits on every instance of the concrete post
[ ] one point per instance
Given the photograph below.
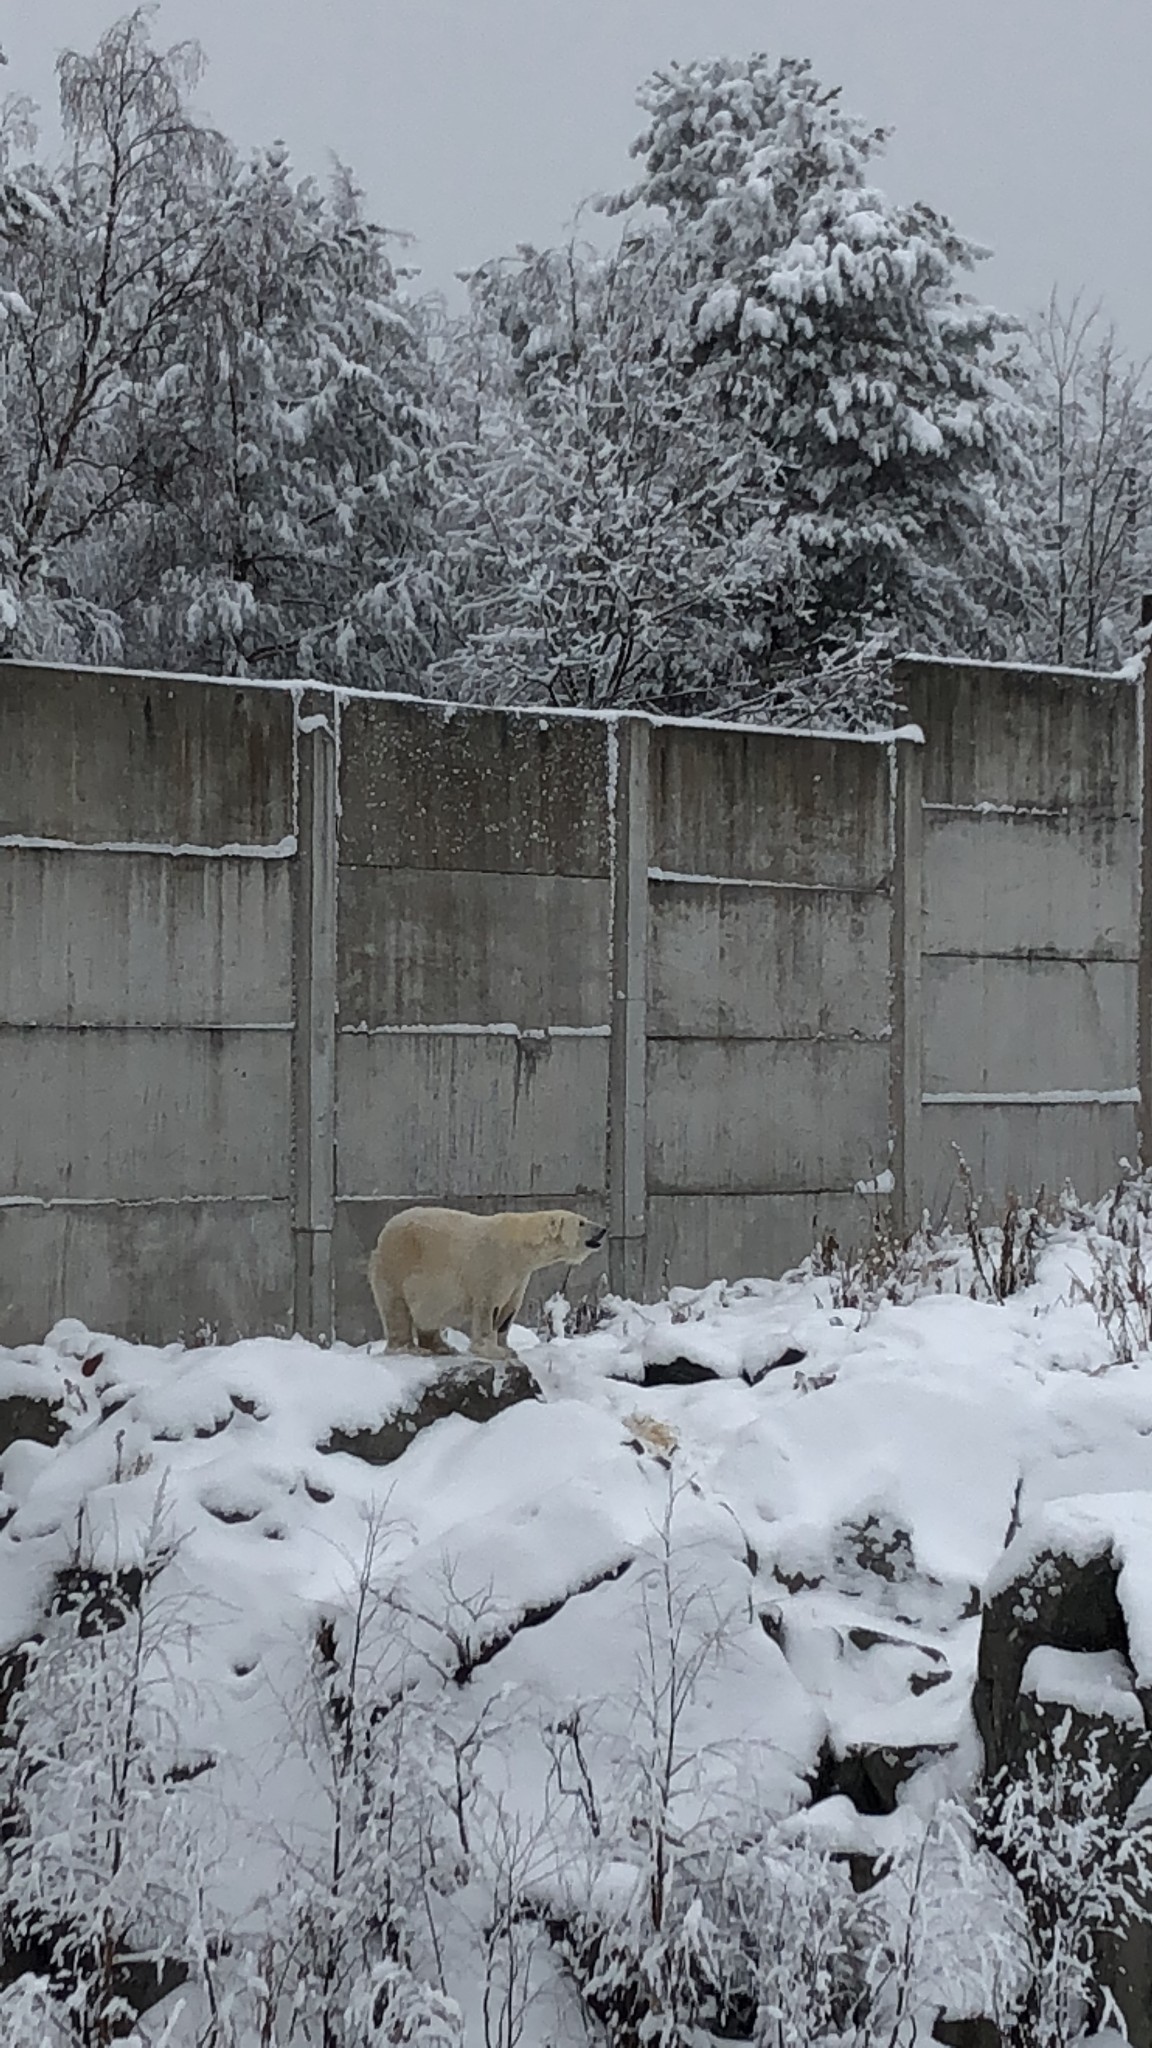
(627, 1177)
(907, 1083)
(314, 1037)
(1144, 970)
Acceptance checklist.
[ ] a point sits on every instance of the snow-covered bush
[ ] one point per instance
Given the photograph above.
(104, 1831)
(1080, 1868)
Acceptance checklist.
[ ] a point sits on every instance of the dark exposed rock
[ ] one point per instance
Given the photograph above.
(1058, 1601)
(973, 2033)
(102, 1600)
(790, 1357)
(471, 1387)
(30, 1418)
(871, 1777)
(1070, 1604)
(678, 1372)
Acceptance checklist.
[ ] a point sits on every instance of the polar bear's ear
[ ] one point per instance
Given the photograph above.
(556, 1226)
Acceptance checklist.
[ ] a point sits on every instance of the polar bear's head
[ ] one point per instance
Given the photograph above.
(572, 1236)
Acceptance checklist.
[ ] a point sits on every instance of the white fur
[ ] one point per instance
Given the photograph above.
(433, 1267)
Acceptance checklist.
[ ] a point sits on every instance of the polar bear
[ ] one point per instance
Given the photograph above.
(437, 1266)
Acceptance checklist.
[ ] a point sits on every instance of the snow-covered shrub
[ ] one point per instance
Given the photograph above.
(886, 1267)
(1081, 1870)
(103, 1829)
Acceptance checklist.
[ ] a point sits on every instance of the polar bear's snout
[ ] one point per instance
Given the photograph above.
(597, 1232)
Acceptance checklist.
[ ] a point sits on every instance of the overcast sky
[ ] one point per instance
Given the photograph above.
(477, 124)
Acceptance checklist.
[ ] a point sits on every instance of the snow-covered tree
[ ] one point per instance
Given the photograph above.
(287, 473)
(848, 342)
(221, 428)
(764, 441)
(608, 538)
(112, 257)
(1093, 514)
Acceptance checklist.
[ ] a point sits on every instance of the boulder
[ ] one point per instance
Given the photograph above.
(30, 1418)
(475, 1388)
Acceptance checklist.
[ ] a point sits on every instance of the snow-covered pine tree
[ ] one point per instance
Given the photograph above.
(764, 441)
(849, 348)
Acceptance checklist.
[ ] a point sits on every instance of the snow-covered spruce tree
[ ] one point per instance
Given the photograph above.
(287, 472)
(849, 347)
(110, 257)
(767, 440)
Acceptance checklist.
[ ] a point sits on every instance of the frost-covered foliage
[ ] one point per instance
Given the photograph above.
(1081, 1870)
(730, 464)
(1091, 408)
(219, 421)
(102, 1844)
(764, 442)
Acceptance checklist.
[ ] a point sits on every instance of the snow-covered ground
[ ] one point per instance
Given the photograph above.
(479, 1695)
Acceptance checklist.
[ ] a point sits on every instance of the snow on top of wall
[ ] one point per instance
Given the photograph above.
(546, 714)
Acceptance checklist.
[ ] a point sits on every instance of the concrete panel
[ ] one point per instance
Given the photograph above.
(997, 883)
(1028, 1026)
(442, 947)
(693, 1239)
(766, 806)
(144, 1114)
(435, 786)
(186, 1271)
(358, 1225)
(767, 963)
(1025, 737)
(443, 1117)
(1024, 1147)
(96, 757)
(755, 1116)
(140, 939)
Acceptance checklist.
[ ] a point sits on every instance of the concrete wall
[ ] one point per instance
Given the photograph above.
(1031, 927)
(474, 917)
(275, 962)
(771, 890)
(146, 1007)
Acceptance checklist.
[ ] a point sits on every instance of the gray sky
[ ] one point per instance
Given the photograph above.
(480, 123)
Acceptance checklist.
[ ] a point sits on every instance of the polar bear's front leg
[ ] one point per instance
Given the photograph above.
(484, 1339)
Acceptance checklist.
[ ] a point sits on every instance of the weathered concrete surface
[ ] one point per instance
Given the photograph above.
(495, 869)
(693, 1239)
(1031, 885)
(1015, 1026)
(434, 786)
(442, 1117)
(104, 1114)
(1023, 1147)
(768, 963)
(776, 807)
(143, 939)
(1027, 738)
(96, 757)
(760, 1115)
(359, 1223)
(156, 1272)
(1031, 926)
(443, 946)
